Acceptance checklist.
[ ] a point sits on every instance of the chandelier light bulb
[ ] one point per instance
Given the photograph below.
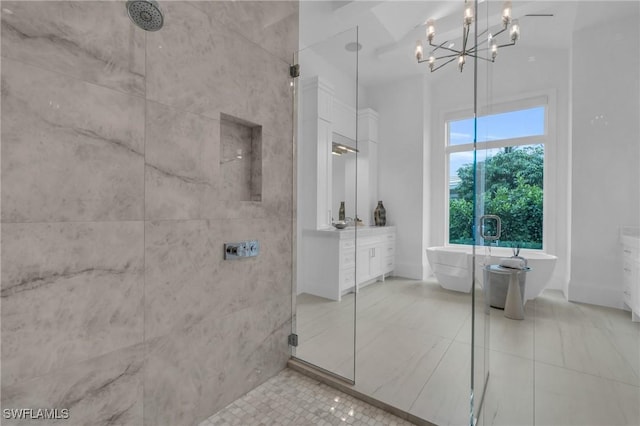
(461, 61)
(418, 50)
(431, 30)
(432, 60)
(468, 14)
(515, 30)
(506, 14)
(494, 50)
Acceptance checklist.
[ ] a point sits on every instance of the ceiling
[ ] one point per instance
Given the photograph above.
(388, 30)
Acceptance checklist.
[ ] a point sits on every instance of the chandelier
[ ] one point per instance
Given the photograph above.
(445, 51)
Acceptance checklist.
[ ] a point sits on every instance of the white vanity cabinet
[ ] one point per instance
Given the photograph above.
(631, 274)
(375, 257)
(335, 263)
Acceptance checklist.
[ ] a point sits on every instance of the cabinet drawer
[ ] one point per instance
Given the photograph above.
(347, 278)
(390, 237)
(347, 258)
(630, 273)
(388, 264)
(631, 253)
(389, 250)
(347, 244)
(368, 242)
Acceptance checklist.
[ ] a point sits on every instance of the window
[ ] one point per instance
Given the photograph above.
(510, 168)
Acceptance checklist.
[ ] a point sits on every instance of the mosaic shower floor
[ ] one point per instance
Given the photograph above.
(291, 398)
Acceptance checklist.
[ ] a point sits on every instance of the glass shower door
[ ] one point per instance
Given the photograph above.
(326, 95)
(508, 157)
(486, 226)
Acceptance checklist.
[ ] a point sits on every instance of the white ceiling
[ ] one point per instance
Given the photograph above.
(388, 30)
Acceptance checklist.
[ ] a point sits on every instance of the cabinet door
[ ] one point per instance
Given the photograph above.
(376, 259)
(363, 263)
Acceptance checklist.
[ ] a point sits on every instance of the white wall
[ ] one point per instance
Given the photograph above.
(312, 63)
(401, 168)
(605, 155)
(515, 75)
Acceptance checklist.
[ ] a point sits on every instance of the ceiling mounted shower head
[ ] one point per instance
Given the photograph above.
(146, 14)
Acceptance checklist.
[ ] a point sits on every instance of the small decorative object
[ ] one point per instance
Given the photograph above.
(380, 215)
(341, 215)
(516, 254)
(341, 224)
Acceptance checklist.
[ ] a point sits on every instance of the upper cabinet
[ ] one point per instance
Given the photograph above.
(328, 173)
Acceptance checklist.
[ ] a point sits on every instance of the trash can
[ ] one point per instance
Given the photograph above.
(497, 285)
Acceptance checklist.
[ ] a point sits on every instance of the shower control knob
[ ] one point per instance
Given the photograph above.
(242, 249)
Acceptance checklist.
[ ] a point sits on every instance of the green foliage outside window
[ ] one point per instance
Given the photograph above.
(513, 191)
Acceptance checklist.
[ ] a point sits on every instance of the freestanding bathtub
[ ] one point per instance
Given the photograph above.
(452, 266)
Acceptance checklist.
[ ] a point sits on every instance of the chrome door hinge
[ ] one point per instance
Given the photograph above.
(293, 340)
(294, 71)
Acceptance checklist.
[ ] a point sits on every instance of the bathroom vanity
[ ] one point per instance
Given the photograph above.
(335, 262)
(630, 239)
(338, 166)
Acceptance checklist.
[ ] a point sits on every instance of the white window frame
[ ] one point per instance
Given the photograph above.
(546, 100)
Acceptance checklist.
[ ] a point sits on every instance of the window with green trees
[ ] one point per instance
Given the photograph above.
(510, 167)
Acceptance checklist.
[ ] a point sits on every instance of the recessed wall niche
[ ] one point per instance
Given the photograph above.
(240, 159)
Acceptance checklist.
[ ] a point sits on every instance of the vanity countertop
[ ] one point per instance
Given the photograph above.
(349, 232)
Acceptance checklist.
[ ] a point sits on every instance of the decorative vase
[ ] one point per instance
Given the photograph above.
(380, 215)
(341, 214)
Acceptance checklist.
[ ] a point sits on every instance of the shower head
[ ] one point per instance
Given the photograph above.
(146, 14)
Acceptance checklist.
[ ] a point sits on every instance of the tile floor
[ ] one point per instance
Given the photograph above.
(291, 398)
(564, 364)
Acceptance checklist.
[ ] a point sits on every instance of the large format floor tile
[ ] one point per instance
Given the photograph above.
(567, 397)
(509, 398)
(564, 364)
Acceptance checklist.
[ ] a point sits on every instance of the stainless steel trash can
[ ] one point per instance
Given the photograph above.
(497, 285)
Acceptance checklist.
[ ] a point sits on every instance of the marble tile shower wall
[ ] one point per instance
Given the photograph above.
(116, 303)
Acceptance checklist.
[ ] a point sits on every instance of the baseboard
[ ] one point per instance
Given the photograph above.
(308, 370)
